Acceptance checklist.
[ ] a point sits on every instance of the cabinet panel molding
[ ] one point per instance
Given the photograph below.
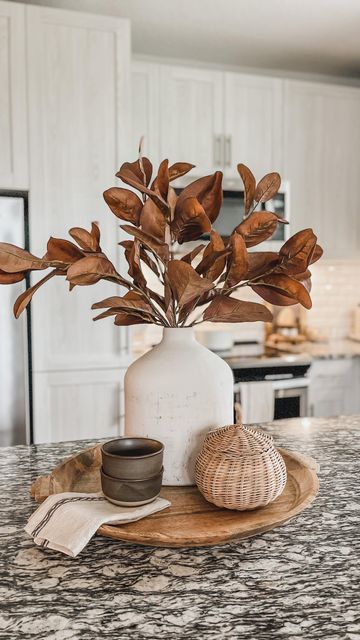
(13, 124)
(322, 163)
(145, 109)
(191, 116)
(79, 115)
(78, 404)
(253, 108)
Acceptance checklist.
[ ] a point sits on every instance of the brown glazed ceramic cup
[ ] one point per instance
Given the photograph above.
(132, 458)
(131, 493)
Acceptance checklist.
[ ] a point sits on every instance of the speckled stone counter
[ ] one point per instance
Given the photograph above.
(301, 580)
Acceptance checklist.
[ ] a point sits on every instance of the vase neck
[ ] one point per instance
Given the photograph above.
(178, 335)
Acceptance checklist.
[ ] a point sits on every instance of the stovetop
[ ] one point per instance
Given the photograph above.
(246, 355)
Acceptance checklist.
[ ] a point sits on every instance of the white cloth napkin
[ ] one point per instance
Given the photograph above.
(67, 521)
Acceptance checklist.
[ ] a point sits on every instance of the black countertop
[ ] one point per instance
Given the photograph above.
(301, 580)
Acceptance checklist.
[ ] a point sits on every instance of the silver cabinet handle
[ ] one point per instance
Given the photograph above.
(227, 151)
(217, 151)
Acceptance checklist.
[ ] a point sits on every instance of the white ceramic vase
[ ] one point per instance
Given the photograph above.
(175, 393)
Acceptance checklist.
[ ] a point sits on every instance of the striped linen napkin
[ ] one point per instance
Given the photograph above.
(67, 521)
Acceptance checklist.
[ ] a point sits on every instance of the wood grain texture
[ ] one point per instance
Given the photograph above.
(191, 521)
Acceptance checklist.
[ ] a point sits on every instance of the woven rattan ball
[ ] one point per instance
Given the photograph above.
(239, 468)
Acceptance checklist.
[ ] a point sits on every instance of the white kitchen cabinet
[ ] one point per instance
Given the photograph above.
(334, 387)
(79, 123)
(253, 113)
(13, 129)
(191, 117)
(145, 109)
(322, 163)
(79, 404)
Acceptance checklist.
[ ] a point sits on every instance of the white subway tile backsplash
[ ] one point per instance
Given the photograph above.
(335, 294)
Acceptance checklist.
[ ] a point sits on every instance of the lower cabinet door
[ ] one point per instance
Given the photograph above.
(71, 405)
(334, 387)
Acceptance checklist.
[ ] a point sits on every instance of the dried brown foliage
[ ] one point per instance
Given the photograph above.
(204, 278)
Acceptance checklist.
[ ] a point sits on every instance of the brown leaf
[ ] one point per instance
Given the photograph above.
(149, 261)
(205, 298)
(208, 191)
(259, 226)
(237, 261)
(273, 296)
(13, 259)
(125, 319)
(11, 278)
(317, 253)
(62, 251)
(23, 300)
(179, 169)
(159, 299)
(249, 185)
(172, 200)
(185, 283)
(296, 253)
(226, 309)
(90, 270)
(113, 301)
(124, 203)
(95, 233)
(214, 259)
(268, 187)
(86, 240)
(161, 249)
(127, 244)
(106, 314)
(190, 221)
(285, 286)
(139, 170)
(189, 257)
(168, 300)
(132, 301)
(260, 262)
(152, 220)
(161, 183)
(132, 256)
(129, 177)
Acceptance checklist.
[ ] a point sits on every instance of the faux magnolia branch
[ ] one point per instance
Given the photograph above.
(204, 278)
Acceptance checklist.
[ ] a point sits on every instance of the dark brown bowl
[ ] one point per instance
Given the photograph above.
(131, 493)
(132, 458)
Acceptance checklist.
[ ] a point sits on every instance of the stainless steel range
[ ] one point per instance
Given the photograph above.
(268, 384)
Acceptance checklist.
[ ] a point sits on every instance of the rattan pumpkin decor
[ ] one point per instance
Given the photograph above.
(239, 468)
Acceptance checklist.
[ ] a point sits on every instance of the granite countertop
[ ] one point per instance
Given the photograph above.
(333, 349)
(301, 580)
(330, 350)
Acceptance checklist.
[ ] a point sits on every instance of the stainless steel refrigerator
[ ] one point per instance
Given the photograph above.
(15, 409)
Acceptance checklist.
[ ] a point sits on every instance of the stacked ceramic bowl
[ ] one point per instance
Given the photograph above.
(132, 471)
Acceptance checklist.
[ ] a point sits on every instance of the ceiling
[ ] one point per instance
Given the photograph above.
(311, 36)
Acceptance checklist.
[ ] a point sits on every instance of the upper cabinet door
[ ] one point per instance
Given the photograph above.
(79, 121)
(322, 163)
(145, 110)
(191, 117)
(13, 133)
(340, 187)
(253, 123)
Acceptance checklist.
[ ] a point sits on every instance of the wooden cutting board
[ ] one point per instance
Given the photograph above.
(191, 521)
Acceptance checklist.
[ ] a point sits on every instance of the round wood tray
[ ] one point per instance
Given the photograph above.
(191, 521)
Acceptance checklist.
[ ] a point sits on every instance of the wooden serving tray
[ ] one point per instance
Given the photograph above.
(191, 521)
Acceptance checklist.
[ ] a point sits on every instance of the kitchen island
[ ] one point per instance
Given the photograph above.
(301, 580)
